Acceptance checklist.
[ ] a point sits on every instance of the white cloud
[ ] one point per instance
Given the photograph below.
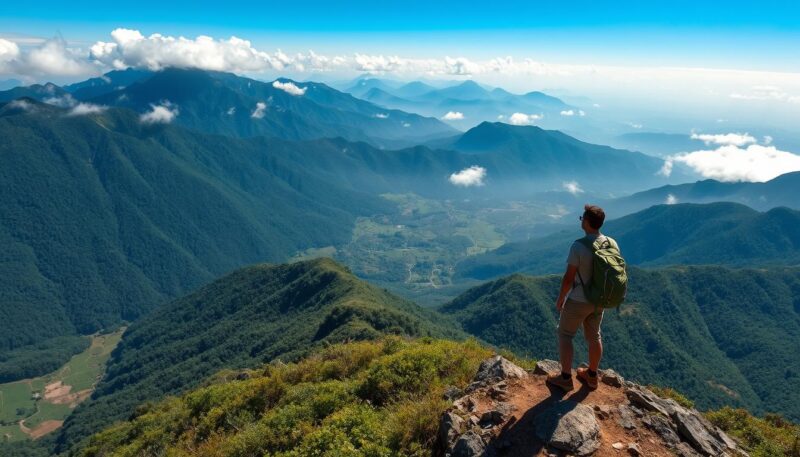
(472, 176)
(382, 115)
(568, 113)
(290, 88)
(231, 111)
(9, 51)
(767, 140)
(572, 187)
(24, 105)
(756, 163)
(736, 139)
(671, 199)
(50, 58)
(453, 116)
(666, 169)
(258, 113)
(65, 101)
(635, 125)
(524, 119)
(82, 109)
(406, 124)
(160, 114)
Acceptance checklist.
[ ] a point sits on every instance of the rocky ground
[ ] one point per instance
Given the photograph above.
(507, 411)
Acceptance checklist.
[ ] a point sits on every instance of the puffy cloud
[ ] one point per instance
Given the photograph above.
(736, 139)
(231, 111)
(524, 119)
(572, 187)
(290, 88)
(49, 58)
(21, 104)
(258, 113)
(571, 112)
(671, 199)
(160, 114)
(453, 116)
(65, 101)
(756, 163)
(82, 109)
(472, 176)
(382, 115)
(9, 51)
(666, 169)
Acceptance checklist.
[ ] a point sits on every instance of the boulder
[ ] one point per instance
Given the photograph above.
(451, 393)
(611, 378)
(698, 432)
(450, 428)
(547, 367)
(663, 428)
(570, 427)
(469, 444)
(646, 399)
(626, 417)
(496, 369)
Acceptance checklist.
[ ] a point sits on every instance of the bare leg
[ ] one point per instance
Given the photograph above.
(566, 353)
(595, 354)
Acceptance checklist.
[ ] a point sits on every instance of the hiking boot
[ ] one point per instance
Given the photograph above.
(558, 381)
(590, 381)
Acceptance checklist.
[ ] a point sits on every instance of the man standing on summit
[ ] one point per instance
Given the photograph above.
(595, 280)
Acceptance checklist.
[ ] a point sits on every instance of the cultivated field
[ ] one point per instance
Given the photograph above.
(31, 408)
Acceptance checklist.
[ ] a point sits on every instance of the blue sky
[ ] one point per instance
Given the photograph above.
(736, 34)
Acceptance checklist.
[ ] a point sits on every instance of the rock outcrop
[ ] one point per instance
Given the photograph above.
(507, 411)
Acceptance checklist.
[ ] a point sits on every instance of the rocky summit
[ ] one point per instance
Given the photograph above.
(508, 411)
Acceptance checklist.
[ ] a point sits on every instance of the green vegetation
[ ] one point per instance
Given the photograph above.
(714, 234)
(771, 436)
(378, 398)
(700, 330)
(26, 405)
(668, 392)
(104, 217)
(252, 316)
(39, 359)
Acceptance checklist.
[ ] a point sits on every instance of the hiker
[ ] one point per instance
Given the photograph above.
(595, 280)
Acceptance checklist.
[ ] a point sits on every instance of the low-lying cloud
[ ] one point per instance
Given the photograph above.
(83, 109)
(524, 119)
(260, 110)
(572, 112)
(160, 114)
(736, 139)
(572, 187)
(453, 116)
(730, 163)
(468, 177)
(290, 88)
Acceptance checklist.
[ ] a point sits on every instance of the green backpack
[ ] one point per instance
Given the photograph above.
(609, 282)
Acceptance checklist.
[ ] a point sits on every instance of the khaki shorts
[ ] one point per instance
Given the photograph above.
(574, 314)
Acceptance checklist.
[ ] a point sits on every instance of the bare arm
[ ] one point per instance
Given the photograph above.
(566, 286)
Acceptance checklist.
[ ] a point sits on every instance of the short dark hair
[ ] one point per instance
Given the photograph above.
(594, 215)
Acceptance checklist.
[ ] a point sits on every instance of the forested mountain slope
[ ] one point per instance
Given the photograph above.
(252, 316)
(104, 217)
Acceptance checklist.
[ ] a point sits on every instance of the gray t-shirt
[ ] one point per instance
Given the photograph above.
(581, 257)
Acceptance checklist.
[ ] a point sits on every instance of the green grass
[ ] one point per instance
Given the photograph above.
(81, 372)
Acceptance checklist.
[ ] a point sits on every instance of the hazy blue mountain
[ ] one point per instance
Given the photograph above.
(475, 102)
(249, 317)
(105, 217)
(35, 91)
(413, 89)
(227, 104)
(552, 158)
(658, 144)
(715, 233)
(780, 191)
(701, 330)
(109, 82)
(7, 84)
(361, 86)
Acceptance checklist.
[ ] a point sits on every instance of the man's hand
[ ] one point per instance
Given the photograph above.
(566, 286)
(559, 304)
